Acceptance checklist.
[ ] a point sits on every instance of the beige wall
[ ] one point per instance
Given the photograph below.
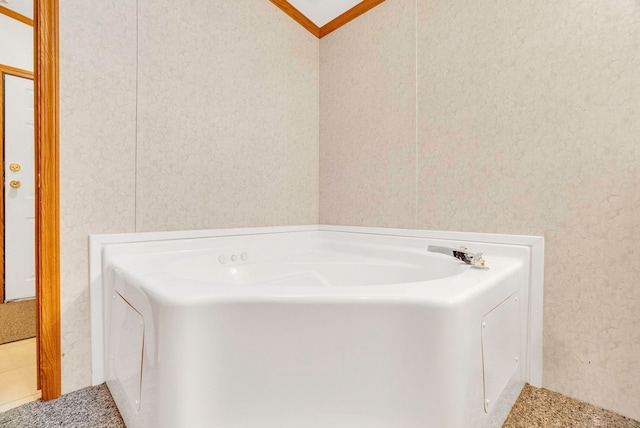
(227, 117)
(97, 155)
(528, 122)
(178, 118)
(368, 120)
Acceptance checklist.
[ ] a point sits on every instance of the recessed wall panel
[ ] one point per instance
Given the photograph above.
(227, 117)
(367, 119)
(527, 124)
(97, 156)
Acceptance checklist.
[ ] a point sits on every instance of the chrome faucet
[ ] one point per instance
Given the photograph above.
(473, 259)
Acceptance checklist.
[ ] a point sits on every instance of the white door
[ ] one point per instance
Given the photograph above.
(19, 188)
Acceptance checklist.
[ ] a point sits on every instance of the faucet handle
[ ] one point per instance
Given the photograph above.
(462, 254)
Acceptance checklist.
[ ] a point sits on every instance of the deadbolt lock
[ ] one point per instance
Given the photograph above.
(15, 167)
(15, 184)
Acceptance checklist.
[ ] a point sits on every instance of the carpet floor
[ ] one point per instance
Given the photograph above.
(93, 407)
(17, 320)
(539, 407)
(90, 407)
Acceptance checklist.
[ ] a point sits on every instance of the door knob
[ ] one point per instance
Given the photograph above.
(15, 184)
(15, 167)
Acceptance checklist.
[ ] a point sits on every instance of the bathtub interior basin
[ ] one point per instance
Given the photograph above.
(312, 267)
(313, 328)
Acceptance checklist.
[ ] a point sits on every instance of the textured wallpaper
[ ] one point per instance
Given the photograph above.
(97, 156)
(227, 117)
(534, 128)
(178, 118)
(368, 121)
(528, 122)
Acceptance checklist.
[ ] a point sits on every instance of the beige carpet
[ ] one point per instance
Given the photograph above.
(543, 408)
(17, 320)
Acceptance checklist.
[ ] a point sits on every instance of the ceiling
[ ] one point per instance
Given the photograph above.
(321, 17)
(23, 7)
(322, 11)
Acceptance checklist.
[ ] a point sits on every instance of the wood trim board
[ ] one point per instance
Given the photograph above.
(330, 26)
(297, 16)
(5, 69)
(2, 190)
(46, 87)
(15, 15)
(348, 16)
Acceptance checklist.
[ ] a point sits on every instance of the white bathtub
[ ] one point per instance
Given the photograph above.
(311, 328)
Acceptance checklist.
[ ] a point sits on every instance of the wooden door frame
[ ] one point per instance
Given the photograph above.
(11, 71)
(47, 166)
(47, 135)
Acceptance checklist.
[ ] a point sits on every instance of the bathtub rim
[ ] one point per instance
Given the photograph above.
(535, 287)
(447, 292)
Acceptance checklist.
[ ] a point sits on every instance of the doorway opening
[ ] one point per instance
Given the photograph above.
(18, 350)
